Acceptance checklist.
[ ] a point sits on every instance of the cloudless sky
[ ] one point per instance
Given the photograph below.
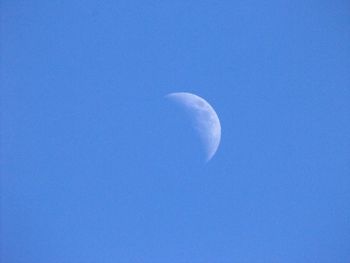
(96, 166)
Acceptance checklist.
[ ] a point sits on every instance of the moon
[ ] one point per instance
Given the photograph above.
(206, 121)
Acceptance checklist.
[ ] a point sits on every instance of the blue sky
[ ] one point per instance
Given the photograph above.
(96, 166)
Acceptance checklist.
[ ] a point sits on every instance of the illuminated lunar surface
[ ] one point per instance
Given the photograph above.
(206, 121)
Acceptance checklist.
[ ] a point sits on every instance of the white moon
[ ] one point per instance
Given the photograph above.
(206, 120)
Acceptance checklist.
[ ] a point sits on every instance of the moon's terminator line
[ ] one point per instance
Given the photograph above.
(206, 120)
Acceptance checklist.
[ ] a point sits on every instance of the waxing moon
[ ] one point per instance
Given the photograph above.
(206, 121)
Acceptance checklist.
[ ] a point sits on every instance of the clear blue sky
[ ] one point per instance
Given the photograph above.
(96, 166)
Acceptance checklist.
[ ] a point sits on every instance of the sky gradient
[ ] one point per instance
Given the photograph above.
(96, 166)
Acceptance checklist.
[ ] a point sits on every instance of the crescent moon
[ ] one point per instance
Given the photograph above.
(206, 121)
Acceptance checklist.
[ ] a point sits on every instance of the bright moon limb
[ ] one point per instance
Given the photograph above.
(207, 122)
